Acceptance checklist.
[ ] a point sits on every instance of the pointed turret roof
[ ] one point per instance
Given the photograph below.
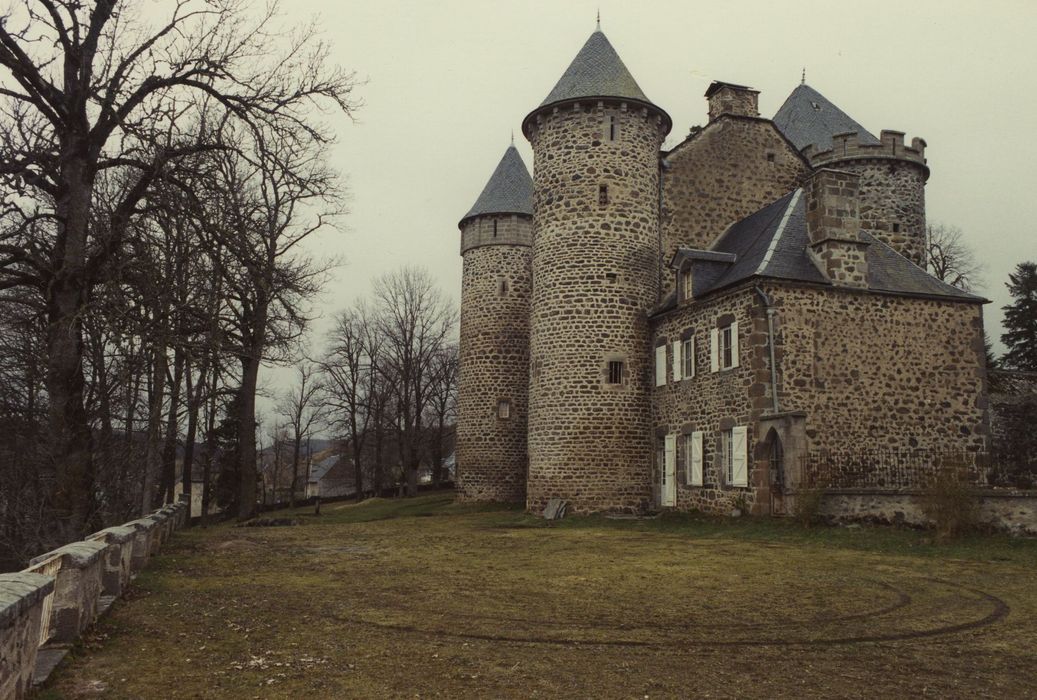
(509, 191)
(597, 71)
(809, 118)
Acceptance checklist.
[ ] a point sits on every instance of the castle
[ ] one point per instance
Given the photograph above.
(645, 329)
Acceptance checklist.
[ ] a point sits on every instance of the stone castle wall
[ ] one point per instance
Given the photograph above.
(730, 169)
(876, 371)
(494, 359)
(712, 402)
(595, 267)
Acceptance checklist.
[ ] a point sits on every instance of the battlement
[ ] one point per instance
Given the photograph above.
(847, 146)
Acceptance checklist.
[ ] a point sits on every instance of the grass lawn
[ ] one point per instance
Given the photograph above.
(428, 598)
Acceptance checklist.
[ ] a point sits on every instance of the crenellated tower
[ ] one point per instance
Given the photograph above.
(496, 235)
(892, 173)
(596, 141)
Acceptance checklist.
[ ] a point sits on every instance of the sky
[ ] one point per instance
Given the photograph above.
(444, 85)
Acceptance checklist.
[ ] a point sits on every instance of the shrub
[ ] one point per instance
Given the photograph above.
(806, 509)
(950, 504)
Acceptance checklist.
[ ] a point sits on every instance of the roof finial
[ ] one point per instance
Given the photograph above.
(599, 19)
(803, 80)
(512, 137)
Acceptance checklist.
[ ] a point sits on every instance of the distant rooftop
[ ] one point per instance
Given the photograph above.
(809, 118)
(509, 190)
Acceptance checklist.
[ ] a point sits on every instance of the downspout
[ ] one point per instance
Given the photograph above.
(664, 165)
(768, 304)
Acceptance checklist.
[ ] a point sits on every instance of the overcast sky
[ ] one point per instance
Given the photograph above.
(447, 82)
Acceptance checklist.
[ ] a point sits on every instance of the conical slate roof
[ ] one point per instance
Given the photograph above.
(509, 191)
(597, 71)
(807, 117)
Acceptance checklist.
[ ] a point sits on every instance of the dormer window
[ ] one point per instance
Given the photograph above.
(685, 284)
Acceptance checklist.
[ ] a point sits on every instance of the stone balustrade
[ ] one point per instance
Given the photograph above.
(46, 607)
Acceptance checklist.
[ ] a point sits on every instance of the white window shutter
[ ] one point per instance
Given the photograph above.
(695, 460)
(660, 365)
(677, 359)
(739, 457)
(714, 350)
(734, 344)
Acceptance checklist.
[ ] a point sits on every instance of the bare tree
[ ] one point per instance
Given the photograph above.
(302, 409)
(442, 407)
(274, 194)
(415, 321)
(349, 369)
(950, 259)
(90, 87)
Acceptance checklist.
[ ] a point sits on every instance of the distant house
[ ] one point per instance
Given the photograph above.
(330, 477)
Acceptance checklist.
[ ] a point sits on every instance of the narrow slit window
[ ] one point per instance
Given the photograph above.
(503, 287)
(615, 372)
(603, 195)
(494, 228)
(504, 409)
(612, 128)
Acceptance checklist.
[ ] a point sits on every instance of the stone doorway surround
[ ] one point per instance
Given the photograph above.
(790, 429)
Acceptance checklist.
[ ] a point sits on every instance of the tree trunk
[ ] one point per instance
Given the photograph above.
(247, 437)
(210, 446)
(172, 429)
(296, 448)
(194, 394)
(153, 451)
(69, 469)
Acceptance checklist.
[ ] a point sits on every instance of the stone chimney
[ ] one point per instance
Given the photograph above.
(728, 98)
(833, 226)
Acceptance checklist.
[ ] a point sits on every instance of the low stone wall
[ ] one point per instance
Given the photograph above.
(45, 608)
(1006, 510)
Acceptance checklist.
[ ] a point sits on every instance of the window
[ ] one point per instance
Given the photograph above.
(502, 287)
(603, 195)
(896, 228)
(688, 357)
(613, 128)
(685, 284)
(494, 228)
(660, 365)
(733, 461)
(693, 458)
(724, 347)
(660, 458)
(615, 374)
(504, 409)
(770, 157)
(727, 454)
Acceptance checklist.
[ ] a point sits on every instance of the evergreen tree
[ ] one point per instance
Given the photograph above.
(1020, 336)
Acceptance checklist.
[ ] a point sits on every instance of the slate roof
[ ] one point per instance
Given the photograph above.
(509, 190)
(597, 71)
(807, 117)
(772, 243)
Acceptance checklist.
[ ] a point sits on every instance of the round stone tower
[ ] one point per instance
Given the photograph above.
(496, 235)
(892, 185)
(596, 141)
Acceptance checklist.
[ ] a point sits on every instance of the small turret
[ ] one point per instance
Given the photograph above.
(496, 235)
